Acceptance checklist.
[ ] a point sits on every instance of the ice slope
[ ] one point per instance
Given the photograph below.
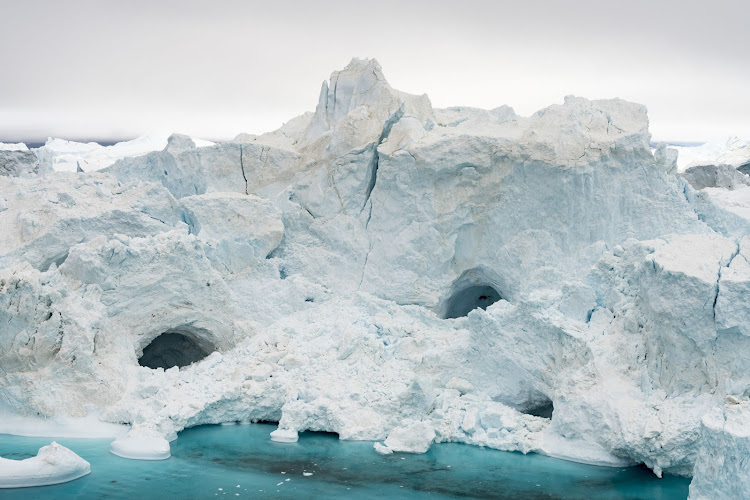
(330, 271)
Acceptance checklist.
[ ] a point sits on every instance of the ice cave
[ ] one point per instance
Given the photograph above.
(476, 288)
(473, 297)
(174, 349)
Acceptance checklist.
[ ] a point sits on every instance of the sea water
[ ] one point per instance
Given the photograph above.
(241, 461)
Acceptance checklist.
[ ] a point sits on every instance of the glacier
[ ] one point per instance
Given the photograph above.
(393, 272)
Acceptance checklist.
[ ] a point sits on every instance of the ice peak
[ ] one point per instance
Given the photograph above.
(177, 143)
(360, 83)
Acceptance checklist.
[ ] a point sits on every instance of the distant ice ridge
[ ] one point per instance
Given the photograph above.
(62, 155)
(390, 272)
(734, 152)
(13, 147)
(69, 156)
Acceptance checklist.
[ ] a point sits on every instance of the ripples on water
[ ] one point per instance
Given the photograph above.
(242, 462)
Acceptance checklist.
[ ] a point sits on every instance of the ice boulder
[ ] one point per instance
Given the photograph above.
(52, 465)
(411, 437)
(284, 436)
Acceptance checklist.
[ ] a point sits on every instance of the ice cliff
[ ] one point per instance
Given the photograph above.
(389, 271)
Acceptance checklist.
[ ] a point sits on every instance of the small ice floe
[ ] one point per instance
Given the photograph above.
(382, 449)
(52, 465)
(307, 474)
(284, 436)
(141, 448)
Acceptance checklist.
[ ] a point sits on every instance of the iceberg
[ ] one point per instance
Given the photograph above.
(389, 271)
(53, 464)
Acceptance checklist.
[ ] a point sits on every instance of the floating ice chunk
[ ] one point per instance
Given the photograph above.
(52, 465)
(414, 437)
(284, 436)
(141, 448)
(382, 449)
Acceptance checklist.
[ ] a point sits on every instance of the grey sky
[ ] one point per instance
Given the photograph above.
(102, 69)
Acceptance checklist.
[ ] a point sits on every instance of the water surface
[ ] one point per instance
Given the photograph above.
(242, 462)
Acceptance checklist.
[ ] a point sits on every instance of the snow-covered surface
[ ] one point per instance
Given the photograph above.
(53, 464)
(320, 268)
(734, 152)
(89, 426)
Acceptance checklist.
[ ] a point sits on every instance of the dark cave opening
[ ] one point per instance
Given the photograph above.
(466, 300)
(173, 349)
(542, 409)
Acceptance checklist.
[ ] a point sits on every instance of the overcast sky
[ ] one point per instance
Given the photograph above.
(103, 69)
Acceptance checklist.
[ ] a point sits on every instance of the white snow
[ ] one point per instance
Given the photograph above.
(89, 426)
(315, 268)
(53, 464)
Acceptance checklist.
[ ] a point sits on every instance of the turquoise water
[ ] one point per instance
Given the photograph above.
(242, 462)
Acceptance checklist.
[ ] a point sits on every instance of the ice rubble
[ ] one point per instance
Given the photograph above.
(315, 265)
(52, 465)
